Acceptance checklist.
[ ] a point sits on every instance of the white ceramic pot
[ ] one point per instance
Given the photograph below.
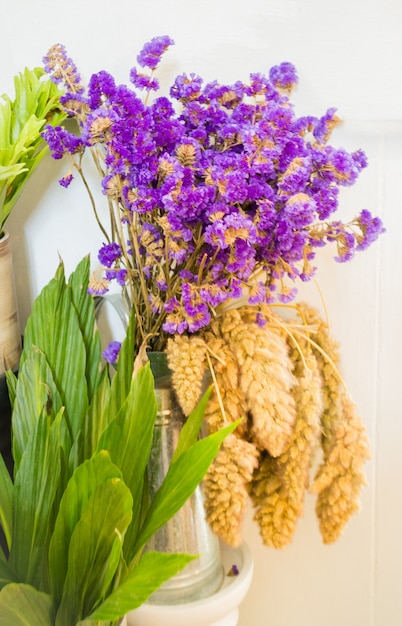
(219, 609)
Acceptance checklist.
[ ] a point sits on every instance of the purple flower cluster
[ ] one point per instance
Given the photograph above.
(209, 189)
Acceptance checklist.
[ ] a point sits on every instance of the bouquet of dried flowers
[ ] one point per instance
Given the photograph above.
(219, 197)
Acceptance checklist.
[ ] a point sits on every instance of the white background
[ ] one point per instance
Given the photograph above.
(348, 55)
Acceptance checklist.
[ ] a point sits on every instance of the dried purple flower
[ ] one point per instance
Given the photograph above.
(112, 352)
(152, 51)
(283, 76)
(109, 253)
(209, 194)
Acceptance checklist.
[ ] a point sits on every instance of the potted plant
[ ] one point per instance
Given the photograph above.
(76, 515)
(22, 120)
(219, 198)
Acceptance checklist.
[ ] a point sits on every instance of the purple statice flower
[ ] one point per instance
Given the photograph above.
(261, 85)
(101, 85)
(118, 275)
(283, 76)
(167, 130)
(98, 287)
(225, 232)
(66, 180)
(196, 310)
(371, 228)
(240, 262)
(143, 81)
(109, 253)
(326, 197)
(300, 211)
(186, 87)
(62, 69)
(297, 175)
(346, 244)
(112, 352)
(227, 96)
(153, 50)
(61, 142)
(188, 205)
(213, 185)
(174, 324)
(287, 295)
(324, 126)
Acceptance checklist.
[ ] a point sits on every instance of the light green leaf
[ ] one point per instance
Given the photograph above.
(153, 569)
(35, 392)
(96, 419)
(81, 486)
(22, 605)
(128, 439)
(85, 308)
(183, 476)
(6, 573)
(36, 103)
(95, 546)
(11, 386)
(53, 326)
(191, 429)
(34, 492)
(6, 494)
(121, 382)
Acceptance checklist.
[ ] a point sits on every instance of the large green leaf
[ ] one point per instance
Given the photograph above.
(22, 605)
(6, 495)
(84, 305)
(190, 431)
(153, 569)
(35, 486)
(121, 381)
(82, 485)
(183, 476)
(95, 550)
(11, 386)
(35, 392)
(95, 420)
(128, 439)
(6, 573)
(53, 326)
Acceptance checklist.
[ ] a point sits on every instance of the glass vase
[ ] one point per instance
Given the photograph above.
(188, 530)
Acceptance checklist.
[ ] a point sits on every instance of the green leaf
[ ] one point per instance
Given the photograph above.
(53, 326)
(95, 548)
(85, 308)
(22, 605)
(121, 382)
(35, 392)
(7, 575)
(11, 386)
(96, 419)
(153, 569)
(80, 488)
(6, 495)
(183, 476)
(128, 439)
(34, 492)
(190, 431)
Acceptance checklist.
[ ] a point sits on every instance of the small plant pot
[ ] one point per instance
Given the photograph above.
(219, 609)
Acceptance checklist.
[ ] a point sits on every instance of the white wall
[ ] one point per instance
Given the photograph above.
(348, 55)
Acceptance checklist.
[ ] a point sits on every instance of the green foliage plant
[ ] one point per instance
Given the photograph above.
(22, 120)
(75, 514)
